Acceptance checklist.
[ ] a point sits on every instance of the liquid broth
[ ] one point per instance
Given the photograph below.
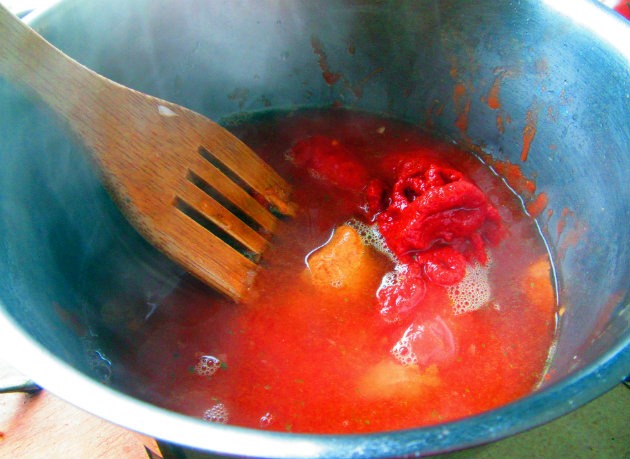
(300, 358)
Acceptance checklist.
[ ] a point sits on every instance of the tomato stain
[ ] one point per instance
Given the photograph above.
(536, 206)
(542, 66)
(330, 77)
(462, 107)
(512, 174)
(529, 132)
(549, 214)
(571, 238)
(493, 96)
(562, 221)
(358, 88)
(436, 109)
(500, 124)
(459, 91)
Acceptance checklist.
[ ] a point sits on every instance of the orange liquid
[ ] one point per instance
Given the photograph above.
(303, 359)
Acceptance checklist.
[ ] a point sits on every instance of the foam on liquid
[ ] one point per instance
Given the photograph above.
(470, 294)
(217, 414)
(403, 351)
(473, 291)
(207, 365)
(371, 236)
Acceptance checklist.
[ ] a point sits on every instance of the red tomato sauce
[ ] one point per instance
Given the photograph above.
(364, 356)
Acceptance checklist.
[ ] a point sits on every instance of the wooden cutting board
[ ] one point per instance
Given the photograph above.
(43, 426)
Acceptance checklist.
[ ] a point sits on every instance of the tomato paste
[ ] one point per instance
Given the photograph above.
(431, 216)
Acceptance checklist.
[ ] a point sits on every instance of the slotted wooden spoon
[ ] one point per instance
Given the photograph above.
(160, 161)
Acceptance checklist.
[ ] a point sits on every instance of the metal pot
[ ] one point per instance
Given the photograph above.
(561, 71)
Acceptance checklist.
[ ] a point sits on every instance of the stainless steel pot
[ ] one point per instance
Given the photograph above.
(562, 71)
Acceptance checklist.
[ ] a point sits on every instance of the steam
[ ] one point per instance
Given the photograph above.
(65, 242)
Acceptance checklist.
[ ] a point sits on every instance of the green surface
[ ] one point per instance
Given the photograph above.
(598, 430)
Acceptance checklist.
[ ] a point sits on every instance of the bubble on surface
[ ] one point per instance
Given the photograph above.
(217, 414)
(388, 280)
(403, 351)
(426, 343)
(266, 420)
(470, 294)
(473, 291)
(394, 277)
(371, 236)
(207, 365)
(337, 283)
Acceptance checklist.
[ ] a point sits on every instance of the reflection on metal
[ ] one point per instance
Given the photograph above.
(586, 14)
(99, 364)
(28, 387)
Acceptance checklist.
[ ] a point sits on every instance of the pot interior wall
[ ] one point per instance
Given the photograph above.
(65, 250)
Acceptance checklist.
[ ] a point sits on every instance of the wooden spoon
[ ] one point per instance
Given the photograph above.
(161, 162)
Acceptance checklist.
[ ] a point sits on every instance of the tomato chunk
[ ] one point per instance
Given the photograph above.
(329, 160)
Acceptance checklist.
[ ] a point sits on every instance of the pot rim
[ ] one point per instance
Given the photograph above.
(54, 375)
(578, 388)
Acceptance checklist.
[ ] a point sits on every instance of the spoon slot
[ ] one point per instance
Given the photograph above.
(229, 238)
